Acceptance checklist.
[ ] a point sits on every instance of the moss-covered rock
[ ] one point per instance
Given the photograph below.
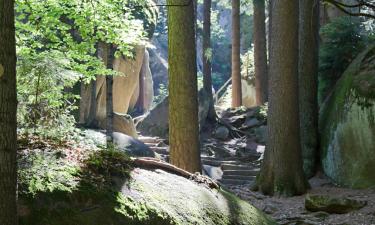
(324, 203)
(347, 125)
(107, 190)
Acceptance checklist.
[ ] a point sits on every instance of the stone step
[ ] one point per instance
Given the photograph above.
(226, 166)
(214, 162)
(252, 172)
(160, 150)
(234, 182)
(238, 177)
(145, 139)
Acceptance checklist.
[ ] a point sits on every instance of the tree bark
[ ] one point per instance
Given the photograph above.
(8, 118)
(207, 79)
(281, 172)
(109, 98)
(308, 83)
(183, 93)
(260, 52)
(236, 61)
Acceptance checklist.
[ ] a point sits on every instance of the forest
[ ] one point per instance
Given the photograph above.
(187, 112)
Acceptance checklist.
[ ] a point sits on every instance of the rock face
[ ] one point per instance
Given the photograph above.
(248, 94)
(146, 88)
(156, 122)
(347, 125)
(317, 203)
(123, 123)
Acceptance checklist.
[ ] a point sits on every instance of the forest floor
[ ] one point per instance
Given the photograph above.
(292, 210)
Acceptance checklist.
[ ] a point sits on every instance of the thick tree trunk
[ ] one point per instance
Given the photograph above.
(282, 172)
(109, 98)
(260, 52)
(183, 94)
(236, 61)
(207, 57)
(308, 82)
(270, 3)
(8, 119)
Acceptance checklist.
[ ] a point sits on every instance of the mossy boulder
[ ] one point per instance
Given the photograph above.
(325, 203)
(347, 125)
(108, 190)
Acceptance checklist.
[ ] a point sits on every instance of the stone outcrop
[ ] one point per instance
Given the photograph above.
(347, 126)
(156, 123)
(329, 204)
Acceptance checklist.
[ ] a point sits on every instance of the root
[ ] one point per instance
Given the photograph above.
(152, 163)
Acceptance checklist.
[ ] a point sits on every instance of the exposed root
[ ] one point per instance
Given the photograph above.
(152, 163)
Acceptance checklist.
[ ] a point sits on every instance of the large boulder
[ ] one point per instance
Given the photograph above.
(329, 204)
(156, 121)
(146, 88)
(347, 126)
(106, 189)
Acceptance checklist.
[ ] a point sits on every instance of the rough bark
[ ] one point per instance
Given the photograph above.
(260, 52)
(270, 3)
(207, 75)
(8, 112)
(109, 98)
(183, 94)
(308, 83)
(281, 172)
(236, 61)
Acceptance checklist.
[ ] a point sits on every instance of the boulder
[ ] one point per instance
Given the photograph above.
(123, 123)
(156, 123)
(248, 93)
(325, 203)
(347, 128)
(110, 191)
(146, 89)
(131, 145)
(221, 133)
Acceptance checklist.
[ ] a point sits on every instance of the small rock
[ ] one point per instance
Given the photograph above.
(251, 122)
(330, 204)
(221, 133)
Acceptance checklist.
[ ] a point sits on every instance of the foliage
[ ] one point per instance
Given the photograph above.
(247, 66)
(343, 39)
(44, 106)
(74, 27)
(163, 93)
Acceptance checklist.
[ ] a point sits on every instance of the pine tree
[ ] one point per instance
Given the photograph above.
(183, 94)
(281, 172)
(308, 82)
(260, 52)
(207, 55)
(8, 112)
(236, 60)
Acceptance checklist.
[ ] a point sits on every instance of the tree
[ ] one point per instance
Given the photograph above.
(207, 56)
(281, 172)
(183, 95)
(260, 52)
(308, 82)
(236, 57)
(109, 96)
(8, 112)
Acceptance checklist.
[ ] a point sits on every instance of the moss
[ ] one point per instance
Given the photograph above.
(347, 125)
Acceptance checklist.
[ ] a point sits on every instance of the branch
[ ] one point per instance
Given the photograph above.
(342, 6)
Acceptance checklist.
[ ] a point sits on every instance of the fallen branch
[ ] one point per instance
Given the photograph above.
(152, 163)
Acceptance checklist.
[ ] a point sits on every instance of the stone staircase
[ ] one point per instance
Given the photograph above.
(229, 171)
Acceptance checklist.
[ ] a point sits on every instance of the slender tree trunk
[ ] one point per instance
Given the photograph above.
(260, 52)
(109, 98)
(236, 61)
(183, 94)
(8, 119)
(308, 82)
(207, 57)
(282, 172)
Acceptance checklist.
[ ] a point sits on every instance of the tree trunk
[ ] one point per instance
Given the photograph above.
(183, 93)
(8, 116)
(282, 172)
(260, 52)
(109, 98)
(270, 3)
(308, 82)
(236, 62)
(207, 57)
